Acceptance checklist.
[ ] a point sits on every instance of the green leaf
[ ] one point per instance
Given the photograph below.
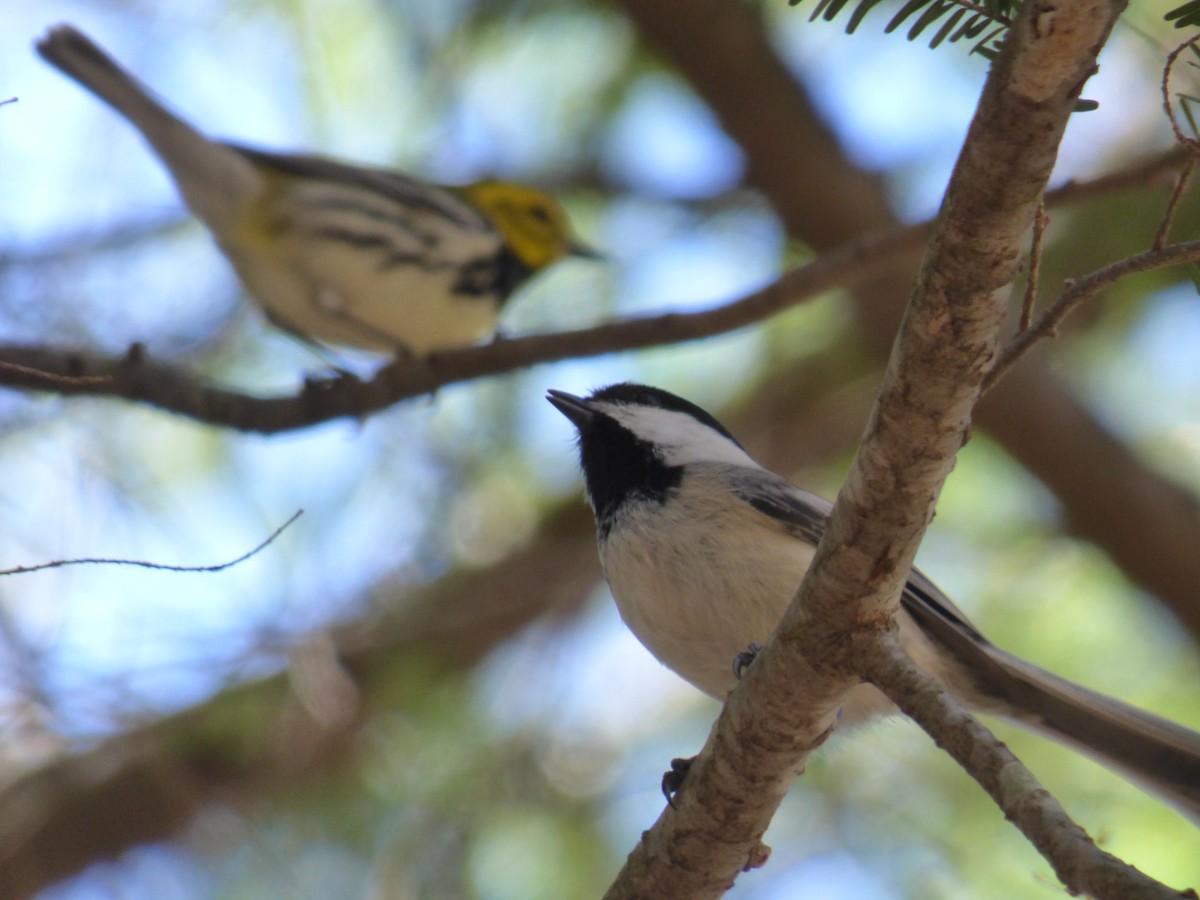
(973, 27)
(956, 19)
(1193, 271)
(1186, 16)
(905, 11)
(947, 27)
(860, 13)
(1187, 102)
(937, 9)
(993, 38)
(831, 9)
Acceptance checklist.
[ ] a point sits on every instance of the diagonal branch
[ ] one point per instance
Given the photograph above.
(948, 341)
(1080, 864)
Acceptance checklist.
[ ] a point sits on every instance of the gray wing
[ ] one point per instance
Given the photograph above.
(804, 514)
(801, 513)
(1160, 755)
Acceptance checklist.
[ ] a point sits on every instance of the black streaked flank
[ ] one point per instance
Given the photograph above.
(497, 275)
(360, 239)
(393, 214)
(391, 258)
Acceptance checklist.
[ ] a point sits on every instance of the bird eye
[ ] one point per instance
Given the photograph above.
(539, 212)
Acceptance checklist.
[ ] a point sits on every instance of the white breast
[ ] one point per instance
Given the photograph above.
(697, 593)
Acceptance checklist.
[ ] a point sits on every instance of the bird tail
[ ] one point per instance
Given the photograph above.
(216, 180)
(1159, 755)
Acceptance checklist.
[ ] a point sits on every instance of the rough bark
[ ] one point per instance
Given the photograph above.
(842, 614)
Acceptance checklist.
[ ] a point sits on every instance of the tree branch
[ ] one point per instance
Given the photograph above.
(173, 388)
(1080, 291)
(1077, 861)
(948, 341)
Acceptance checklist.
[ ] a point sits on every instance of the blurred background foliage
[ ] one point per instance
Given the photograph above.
(524, 764)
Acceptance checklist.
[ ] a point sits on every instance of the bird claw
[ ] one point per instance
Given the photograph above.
(672, 780)
(742, 661)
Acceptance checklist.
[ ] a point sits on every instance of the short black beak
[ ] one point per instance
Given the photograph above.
(574, 408)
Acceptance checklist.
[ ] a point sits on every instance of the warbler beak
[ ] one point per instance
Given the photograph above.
(578, 248)
(574, 408)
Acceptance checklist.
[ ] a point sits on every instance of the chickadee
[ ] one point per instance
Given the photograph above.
(704, 548)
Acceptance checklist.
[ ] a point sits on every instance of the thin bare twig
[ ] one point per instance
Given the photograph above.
(165, 567)
(1076, 859)
(1189, 142)
(1181, 185)
(1080, 290)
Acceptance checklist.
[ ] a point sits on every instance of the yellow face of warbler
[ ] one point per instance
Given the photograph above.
(533, 225)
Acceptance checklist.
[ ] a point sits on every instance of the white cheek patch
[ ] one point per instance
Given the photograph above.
(681, 438)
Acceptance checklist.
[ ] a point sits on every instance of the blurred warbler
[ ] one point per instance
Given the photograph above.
(338, 253)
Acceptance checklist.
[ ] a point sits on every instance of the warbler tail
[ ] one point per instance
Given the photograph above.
(215, 179)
